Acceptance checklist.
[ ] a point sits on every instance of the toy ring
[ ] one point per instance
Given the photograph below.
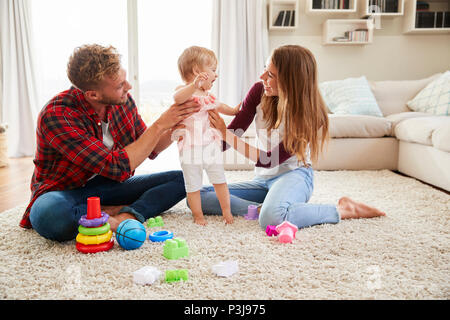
(93, 248)
(94, 239)
(160, 236)
(85, 222)
(94, 231)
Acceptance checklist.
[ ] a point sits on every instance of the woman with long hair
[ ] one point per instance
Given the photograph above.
(292, 127)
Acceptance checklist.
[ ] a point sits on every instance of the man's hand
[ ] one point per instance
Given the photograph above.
(177, 113)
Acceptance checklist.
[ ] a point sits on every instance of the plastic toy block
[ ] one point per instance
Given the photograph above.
(252, 213)
(176, 275)
(146, 275)
(175, 248)
(271, 231)
(286, 232)
(225, 268)
(155, 222)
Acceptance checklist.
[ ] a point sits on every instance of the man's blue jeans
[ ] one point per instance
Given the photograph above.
(54, 215)
(284, 197)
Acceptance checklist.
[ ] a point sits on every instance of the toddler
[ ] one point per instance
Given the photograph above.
(199, 145)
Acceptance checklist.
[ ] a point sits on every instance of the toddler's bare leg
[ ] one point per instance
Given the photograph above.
(223, 195)
(195, 204)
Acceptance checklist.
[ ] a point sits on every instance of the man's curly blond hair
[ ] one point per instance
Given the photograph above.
(89, 64)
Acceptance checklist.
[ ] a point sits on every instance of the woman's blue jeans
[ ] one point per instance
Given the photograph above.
(55, 214)
(284, 197)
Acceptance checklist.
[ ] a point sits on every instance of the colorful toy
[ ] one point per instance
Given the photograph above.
(146, 275)
(175, 249)
(252, 212)
(226, 268)
(176, 275)
(89, 223)
(286, 232)
(160, 236)
(271, 231)
(130, 234)
(94, 231)
(155, 222)
(86, 239)
(93, 248)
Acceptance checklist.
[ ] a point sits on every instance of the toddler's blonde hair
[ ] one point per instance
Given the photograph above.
(192, 57)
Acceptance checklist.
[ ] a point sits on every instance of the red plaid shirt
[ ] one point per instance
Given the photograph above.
(70, 145)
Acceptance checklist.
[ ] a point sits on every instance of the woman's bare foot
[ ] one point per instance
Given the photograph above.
(114, 221)
(350, 209)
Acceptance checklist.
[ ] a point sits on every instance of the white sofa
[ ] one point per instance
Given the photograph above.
(413, 143)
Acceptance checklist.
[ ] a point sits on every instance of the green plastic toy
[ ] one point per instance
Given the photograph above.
(155, 222)
(175, 248)
(176, 275)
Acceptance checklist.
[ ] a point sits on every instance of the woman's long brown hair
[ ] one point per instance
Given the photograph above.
(299, 103)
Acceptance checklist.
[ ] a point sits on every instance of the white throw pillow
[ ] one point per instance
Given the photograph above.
(350, 96)
(434, 98)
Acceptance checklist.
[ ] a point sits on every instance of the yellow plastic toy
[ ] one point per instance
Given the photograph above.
(94, 239)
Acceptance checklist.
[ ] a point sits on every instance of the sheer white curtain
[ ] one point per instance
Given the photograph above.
(240, 39)
(19, 95)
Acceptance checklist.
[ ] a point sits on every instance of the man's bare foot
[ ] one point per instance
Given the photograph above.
(228, 217)
(350, 209)
(112, 210)
(114, 221)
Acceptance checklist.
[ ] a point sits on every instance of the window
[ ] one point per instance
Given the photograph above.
(59, 26)
(165, 29)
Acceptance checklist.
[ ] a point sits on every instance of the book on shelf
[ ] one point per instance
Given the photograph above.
(432, 19)
(287, 19)
(383, 6)
(358, 35)
(280, 18)
(331, 4)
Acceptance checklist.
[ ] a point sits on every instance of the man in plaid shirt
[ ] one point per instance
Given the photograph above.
(90, 139)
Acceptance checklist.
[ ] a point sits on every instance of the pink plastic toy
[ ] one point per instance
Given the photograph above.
(286, 232)
(271, 231)
(252, 212)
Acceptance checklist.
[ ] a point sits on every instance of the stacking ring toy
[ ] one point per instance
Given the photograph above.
(160, 236)
(94, 231)
(85, 222)
(94, 239)
(93, 248)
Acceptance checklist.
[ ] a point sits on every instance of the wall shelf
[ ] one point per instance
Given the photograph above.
(329, 7)
(283, 15)
(410, 25)
(336, 28)
(382, 8)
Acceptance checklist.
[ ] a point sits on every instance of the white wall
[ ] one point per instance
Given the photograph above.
(392, 55)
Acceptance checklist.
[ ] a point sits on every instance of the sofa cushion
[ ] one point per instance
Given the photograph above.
(357, 126)
(396, 118)
(392, 95)
(421, 129)
(441, 137)
(434, 98)
(350, 96)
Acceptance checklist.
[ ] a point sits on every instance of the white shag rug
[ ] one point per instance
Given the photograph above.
(405, 255)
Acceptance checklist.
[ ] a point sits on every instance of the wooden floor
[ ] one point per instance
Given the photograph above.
(15, 183)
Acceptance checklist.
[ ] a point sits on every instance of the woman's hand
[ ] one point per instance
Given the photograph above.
(217, 122)
(177, 113)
